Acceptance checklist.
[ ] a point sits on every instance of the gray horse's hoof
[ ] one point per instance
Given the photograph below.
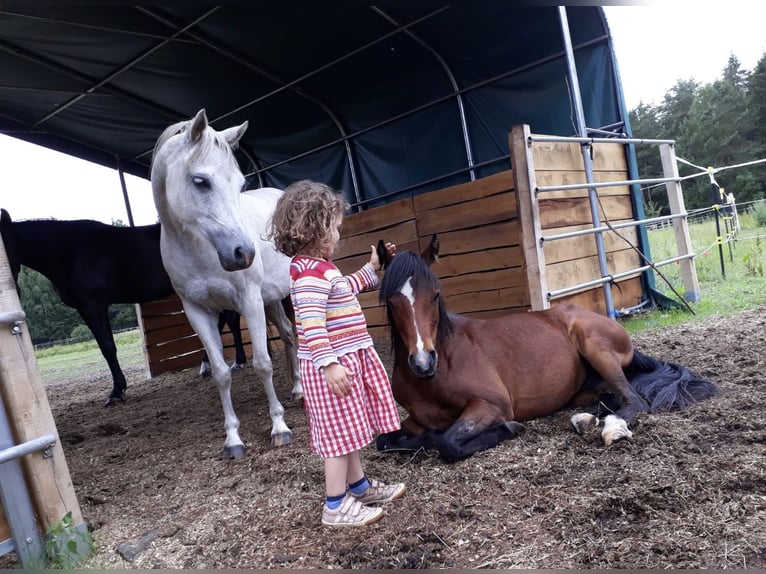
(281, 439)
(296, 397)
(237, 366)
(236, 452)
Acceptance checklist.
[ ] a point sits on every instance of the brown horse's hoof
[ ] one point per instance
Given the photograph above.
(615, 430)
(584, 422)
(281, 439)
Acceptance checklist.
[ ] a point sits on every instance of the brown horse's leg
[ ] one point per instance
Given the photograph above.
(481, 426)
(607, 347)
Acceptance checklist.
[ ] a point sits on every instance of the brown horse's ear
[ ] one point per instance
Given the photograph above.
(383, 256)
(198, 125)
(431, 253)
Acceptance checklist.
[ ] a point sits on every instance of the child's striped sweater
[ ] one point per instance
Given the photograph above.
(328, 317)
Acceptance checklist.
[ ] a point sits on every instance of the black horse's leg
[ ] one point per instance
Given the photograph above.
(96, 317)
(231, 318)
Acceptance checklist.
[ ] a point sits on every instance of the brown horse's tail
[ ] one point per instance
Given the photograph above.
(666, 386)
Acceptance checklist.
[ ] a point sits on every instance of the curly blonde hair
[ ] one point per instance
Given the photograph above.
(305, 217)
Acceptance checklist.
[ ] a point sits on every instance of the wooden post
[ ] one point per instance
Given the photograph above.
(529, 217)
(47, 478)
(680, 225)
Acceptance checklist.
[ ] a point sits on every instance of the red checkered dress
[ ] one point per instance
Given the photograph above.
(331, 328)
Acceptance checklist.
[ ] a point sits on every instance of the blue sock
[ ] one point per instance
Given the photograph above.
(359, 486)
(333, 502)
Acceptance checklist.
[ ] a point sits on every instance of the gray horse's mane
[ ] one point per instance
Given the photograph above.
(210, 138)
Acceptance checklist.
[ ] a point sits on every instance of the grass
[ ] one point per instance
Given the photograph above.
(62, 362)
(744, 287)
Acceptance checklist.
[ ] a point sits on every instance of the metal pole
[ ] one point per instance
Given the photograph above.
(124, 191)
(582, 131)
(716, 206)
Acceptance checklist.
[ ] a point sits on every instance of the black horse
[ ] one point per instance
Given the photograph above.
(93, 265)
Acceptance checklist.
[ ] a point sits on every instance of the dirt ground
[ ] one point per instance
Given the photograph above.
(689, 491)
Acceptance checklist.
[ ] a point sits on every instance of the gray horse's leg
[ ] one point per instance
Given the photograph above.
(205, 325)
(256, 319)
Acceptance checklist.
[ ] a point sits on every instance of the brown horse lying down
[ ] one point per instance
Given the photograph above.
(466, 383)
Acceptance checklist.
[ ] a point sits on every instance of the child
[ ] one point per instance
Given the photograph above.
(347, 393)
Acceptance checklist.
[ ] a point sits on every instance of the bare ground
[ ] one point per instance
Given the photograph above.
(689, 491)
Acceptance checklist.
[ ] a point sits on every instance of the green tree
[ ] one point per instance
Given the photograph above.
(48, 318)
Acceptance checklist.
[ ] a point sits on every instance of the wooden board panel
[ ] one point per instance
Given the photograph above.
(360, 244)
(5, 529)
(378, 217)
(466, 303)
(162, 307)
(469, 214)
(568, 156)
(577, 271)
(625, 294)
(486, 260)
(489, 281)
(585, 245)
(483, 187)
(178, 363)
(576, 211)
(477, 239)
(554, 178)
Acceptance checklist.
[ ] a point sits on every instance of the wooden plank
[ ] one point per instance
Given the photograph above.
(48, 480)
(490, 236)
(585, 245)
(487, 260)
(162, 307)
(625, 294)
(469, 214)
(498, 312)
(175, 347)
(488, 300)
(566, 156)
(530, 230)
(360, 244)
(488, 281)
(577, 271)
(553, 178)
(576, 211)
(378, 217)
(159, 336)
(484, 187)
(177, 363)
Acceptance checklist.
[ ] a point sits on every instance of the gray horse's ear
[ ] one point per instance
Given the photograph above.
(198, 126)
(431, 253)
(234, 134)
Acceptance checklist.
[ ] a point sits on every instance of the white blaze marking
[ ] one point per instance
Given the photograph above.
(409, 294)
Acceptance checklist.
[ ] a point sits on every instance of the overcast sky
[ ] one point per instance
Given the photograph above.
(656, 44)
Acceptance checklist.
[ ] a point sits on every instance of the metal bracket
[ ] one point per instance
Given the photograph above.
(14, 319)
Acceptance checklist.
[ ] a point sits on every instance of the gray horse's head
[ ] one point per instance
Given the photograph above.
(196, 183)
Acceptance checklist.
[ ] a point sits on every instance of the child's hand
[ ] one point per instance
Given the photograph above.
(375, 260)
(337, 379)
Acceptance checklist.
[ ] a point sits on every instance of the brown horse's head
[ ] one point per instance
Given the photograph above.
(416, 311)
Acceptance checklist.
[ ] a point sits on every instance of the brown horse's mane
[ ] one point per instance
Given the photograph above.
(408, 264)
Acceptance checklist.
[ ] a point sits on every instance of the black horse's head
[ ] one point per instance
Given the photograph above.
(416, 312)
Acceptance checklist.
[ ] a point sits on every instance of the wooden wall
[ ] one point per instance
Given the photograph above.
(491, 259)
(480, 266)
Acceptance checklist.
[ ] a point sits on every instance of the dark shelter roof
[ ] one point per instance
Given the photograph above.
(377, 101)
